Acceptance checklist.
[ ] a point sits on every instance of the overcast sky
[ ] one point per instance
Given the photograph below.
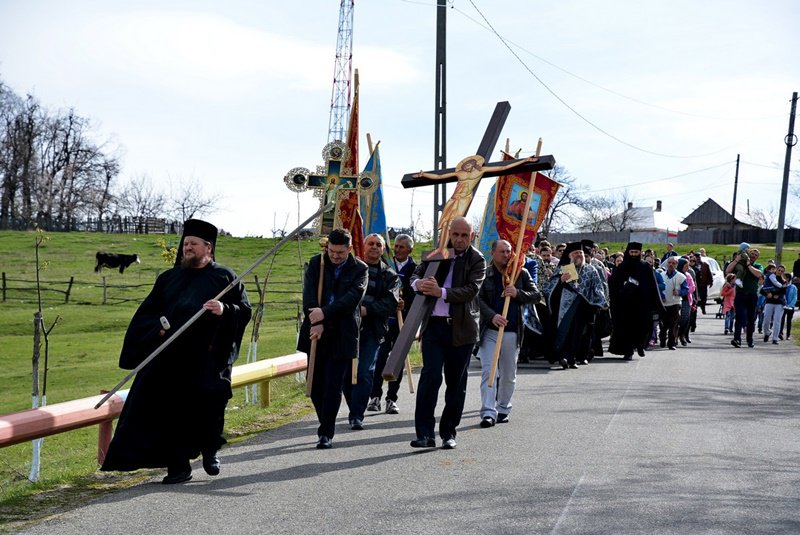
(654, 97)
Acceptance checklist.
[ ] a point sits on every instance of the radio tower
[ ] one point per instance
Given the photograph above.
(342, 73)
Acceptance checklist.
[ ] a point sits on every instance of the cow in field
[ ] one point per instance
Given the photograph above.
(112, 260)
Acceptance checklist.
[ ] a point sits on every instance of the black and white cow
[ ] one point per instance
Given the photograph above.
(112, 260)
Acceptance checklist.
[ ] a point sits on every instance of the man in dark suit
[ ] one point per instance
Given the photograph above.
(403, 246)
(448, 335)
(334, 322)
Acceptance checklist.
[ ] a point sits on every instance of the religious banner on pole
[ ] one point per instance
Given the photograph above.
(348, 213)
(372, 208)
(509, 205)
(488, 231)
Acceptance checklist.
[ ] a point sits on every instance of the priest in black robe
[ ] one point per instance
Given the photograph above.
(175, 409)
(634, 299)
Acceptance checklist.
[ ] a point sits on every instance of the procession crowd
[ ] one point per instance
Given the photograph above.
(558, 305)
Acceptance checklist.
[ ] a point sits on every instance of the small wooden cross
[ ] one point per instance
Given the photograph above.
(468, 173)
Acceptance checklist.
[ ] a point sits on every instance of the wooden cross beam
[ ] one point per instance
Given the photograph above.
(468, 173)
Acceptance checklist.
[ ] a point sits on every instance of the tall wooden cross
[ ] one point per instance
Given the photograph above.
(329, 180)
(423, 305)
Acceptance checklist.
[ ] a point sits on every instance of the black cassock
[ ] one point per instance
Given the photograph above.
(176, 404)
(634, 298)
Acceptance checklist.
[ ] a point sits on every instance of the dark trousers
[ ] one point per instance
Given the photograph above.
(383, 354)
(702, 294)
(326, 391)
(786, 319)
(438, 354)
(357, 395)
(669, 332)
(745, 305)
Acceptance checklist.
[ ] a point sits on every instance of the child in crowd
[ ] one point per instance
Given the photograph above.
(740, 270)
(788, 308)
(728, 294)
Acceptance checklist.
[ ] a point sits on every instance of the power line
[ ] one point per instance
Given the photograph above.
(609, 90)
(663, 178)
(576, 112)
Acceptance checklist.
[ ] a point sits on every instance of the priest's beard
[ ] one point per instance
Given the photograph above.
(194, 262)
(578, 265)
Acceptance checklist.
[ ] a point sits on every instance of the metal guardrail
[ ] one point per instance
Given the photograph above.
(41, 422)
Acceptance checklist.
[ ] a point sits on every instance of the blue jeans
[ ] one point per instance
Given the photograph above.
(357, 395)
(729, 320)
(438, 355)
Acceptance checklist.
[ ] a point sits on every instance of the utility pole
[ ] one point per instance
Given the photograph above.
(733, 209)
(791, 141)
(440, 130)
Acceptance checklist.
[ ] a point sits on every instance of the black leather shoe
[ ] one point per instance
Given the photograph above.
(211, 463)
(502, 418)
(324, 443)
(357, 424)
(736, 343)
(564, 363)
(177, 475)
(449, 444)
(573, 366)
(627, 357)
(424, 442)
(487, 421)
(640, 351)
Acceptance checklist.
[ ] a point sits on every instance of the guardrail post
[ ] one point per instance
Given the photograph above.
(264, 392)
(69, 289)
(4, 287)
(105, 291)
(105, 432)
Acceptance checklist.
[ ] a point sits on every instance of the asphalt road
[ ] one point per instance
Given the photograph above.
(704, 439)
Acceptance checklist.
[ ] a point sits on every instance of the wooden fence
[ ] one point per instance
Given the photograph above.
(24, 290)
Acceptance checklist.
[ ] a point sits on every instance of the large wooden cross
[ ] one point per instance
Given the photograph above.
(329, 180)
(423, 305)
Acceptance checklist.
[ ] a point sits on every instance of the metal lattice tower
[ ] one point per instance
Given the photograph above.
(342, 73)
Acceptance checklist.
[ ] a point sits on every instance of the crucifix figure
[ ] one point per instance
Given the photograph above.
(329, 180)
(468, 173)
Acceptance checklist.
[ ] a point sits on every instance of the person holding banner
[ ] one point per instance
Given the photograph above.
(496, 402)
(175, 409)
(403, 246)
(334, 321)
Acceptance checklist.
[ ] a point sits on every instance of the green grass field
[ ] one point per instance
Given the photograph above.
(84, 346)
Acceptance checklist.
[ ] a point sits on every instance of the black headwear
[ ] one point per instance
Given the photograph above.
(633, 246)
(571, 248)
(200, 229)
(587, 246)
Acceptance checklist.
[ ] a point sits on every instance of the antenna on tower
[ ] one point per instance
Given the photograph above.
(342, 73)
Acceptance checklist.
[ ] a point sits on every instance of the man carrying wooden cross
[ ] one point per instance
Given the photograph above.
(448, 335)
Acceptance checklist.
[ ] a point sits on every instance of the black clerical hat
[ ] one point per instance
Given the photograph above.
(633, 246)
(587, 246)
(202, 229)
(571, 248)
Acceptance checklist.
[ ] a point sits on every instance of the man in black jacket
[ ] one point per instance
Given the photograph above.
(448, 335)
(403, 246)
(334, 322)
(379, 304)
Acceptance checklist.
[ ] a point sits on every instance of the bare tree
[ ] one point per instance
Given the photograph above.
(188, 199)
(610, 213)
(139, 200)
(568, 198)
(768, 218)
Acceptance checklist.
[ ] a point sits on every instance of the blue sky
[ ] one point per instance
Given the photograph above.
(236, 93)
